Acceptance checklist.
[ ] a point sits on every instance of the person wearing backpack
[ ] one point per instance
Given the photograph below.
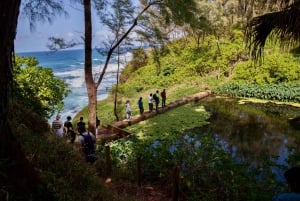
(81, 126)
(87, 141)
(156, 99)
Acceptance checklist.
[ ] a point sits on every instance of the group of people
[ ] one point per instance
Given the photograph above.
(86, 139)
(153, 100)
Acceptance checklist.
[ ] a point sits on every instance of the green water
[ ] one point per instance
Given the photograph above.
(251, 132)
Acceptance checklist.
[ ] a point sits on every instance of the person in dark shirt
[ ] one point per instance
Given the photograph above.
(69, 129)
(141, 105)
(81, 126)
(156, 99)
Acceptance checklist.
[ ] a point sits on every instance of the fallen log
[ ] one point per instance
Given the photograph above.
(115, 130)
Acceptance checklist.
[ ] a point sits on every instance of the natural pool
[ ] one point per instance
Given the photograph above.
(252, 132)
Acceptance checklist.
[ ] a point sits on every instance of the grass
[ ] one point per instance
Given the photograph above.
(105, 107)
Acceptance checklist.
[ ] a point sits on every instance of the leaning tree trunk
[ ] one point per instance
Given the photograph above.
(18, 176)
(90, 84)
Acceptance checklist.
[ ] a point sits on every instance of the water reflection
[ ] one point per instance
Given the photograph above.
(252, 132)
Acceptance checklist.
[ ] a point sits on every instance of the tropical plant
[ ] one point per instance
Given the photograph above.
(284, 24)
(285, 92)
(37, 88)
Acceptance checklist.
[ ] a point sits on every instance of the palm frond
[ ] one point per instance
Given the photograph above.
(285, 25)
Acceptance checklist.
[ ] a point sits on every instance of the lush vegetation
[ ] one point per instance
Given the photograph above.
(163, 142)
(166, 141)
(37, 88)
(210, 57)
(207, 172)
(63, 173)
(284, 92)
(277, 78)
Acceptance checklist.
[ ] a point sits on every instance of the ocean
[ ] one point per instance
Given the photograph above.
(68, 65)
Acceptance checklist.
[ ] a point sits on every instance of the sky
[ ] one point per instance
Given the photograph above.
(71, 27)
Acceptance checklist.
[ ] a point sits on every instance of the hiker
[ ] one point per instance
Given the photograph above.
(150, 102)
(81, 125)
(128, 110)
(68, 126)
(58, 126)
(87, 142)
(141, 105)
(163, 95)
(156, 99)
(292, 177)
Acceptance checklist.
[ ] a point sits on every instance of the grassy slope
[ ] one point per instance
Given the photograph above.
(186, 69)
(188, 74)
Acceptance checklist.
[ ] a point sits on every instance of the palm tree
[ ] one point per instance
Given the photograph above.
(284, 24)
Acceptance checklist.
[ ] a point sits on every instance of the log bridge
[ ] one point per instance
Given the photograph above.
(116, 130)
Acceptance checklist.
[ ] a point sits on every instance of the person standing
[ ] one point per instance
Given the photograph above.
(128, 110)
(292, 177)
(58, 126)
(163, 95)
(87, 141)
(156, 99)
(141, 105)
(69, 129)
(150, 102)
(81, 126)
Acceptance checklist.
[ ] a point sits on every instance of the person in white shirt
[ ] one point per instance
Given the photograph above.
(150, 102)
(128, 110)
(58, 126)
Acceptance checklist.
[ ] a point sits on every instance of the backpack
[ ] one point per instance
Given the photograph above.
(81, 127)
(88, 144)
(155, 97)
(88, 148)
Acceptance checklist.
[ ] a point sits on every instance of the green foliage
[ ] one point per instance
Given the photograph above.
(185, 63)
(276, 68)
(139, 58)
(37, 88)
(207, 171)
(285, 92)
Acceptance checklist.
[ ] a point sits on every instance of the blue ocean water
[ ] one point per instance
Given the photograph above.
(68, 65)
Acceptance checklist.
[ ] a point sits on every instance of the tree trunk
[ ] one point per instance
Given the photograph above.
(90, 84)
(18, 176)
(117, 88)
